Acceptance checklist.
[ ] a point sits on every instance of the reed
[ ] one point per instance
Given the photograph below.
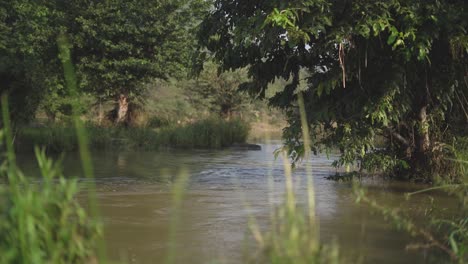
(211, 133)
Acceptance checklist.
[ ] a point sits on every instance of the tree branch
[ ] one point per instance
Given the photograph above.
(398, 137)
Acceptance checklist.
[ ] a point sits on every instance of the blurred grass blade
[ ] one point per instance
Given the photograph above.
(85, 155)
(8, 139)
(178, 191)
(307, 158)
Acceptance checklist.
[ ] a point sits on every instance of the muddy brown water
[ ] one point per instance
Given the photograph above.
(225, 188)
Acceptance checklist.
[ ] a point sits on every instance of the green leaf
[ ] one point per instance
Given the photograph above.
(394, 34)
(453, 243)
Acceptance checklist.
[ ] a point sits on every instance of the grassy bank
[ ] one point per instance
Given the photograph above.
(209, 133)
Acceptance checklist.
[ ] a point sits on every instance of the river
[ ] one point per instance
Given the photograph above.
(225, 188)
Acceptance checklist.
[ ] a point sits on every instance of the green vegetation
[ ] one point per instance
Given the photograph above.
(220, 91)
(44, 223)
(116, 46)
(210, 94)
(41, 223)
(208, 133)
(393, 69)
(121, 53)
(384, 82)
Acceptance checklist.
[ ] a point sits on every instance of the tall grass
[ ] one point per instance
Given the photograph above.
(210, 133)
(293, 236)
(42, 223)
(82, 136)
(294, 233)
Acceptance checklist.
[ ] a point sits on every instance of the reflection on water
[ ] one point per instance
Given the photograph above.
(135, 201)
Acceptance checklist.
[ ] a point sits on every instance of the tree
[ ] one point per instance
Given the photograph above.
(393, 69)
(28, 54)
(117, 45)
(120, 44)
(220, 89)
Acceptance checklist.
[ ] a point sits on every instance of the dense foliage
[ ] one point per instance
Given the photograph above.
(116, 46)
(387, 69)
(220, 90)
(28, 54)
(122, 44)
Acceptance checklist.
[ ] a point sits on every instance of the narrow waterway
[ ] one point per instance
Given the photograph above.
(225, 188)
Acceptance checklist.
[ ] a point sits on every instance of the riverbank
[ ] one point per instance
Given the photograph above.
(211, 133)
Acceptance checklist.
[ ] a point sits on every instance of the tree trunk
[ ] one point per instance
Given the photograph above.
(226, 112)
(122, 110)
(423, 131)
(100, 113)
(51, 116)
(421, 158)
(421, 166)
